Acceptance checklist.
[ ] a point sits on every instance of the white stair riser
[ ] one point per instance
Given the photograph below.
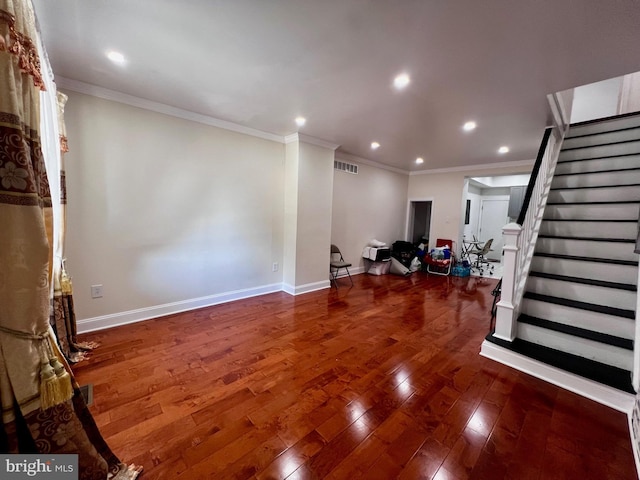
(601, 151)
(589, 229)
(618, 357)
(615, 163)
(627, 211)
(594, 321)
(602, 138)
(606, 194)
(605, 126)
(587, 248)
(607, 272)
(597, 179)
(608, 297)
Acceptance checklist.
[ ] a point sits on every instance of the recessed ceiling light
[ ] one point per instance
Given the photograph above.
(401, 81)
(503, 149)
(300, 121)
(375, 145)
(467, 127)
(116, 57)
(419, 160)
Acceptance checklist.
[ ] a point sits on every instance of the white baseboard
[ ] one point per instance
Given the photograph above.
(147, 313)
(306, 288)
(132, 316)
(621, 401)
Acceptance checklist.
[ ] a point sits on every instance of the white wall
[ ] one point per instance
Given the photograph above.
(596, 100)
(165, 210)
(314, 215)
(366, 206)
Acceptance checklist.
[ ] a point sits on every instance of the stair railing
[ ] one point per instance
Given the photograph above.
(636, 350)
(520, 237)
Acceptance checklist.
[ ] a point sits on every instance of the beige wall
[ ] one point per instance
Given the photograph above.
(314, 214)
(446, 191)
(366, 206)
(163, 210)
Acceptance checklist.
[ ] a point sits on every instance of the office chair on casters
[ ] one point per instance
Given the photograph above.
(481, 262)
(336, 263)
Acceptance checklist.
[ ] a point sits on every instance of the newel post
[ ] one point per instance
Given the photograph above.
(505, 313)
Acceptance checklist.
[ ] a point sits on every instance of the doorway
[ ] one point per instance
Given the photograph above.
(419, 221)
(493, 216)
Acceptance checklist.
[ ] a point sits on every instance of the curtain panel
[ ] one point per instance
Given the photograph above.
(42, 408)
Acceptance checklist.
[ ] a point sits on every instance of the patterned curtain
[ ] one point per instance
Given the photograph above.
(42, 408)
(64, 317)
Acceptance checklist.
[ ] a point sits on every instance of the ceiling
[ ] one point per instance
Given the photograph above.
(261, 63)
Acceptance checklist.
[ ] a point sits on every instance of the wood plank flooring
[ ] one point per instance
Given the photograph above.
(379, 381)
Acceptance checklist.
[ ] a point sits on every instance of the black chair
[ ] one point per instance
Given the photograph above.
(337, 262)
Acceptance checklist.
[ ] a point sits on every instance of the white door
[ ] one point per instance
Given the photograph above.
(493, 216)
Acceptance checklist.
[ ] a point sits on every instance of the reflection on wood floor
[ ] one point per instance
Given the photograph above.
(379, 381)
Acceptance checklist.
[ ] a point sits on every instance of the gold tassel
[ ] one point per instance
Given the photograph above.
(48, 385)
(64, 390)
(55, 381)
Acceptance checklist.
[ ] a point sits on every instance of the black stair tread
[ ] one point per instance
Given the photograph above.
(630, 263)
(617, 202)
(604, 132)
(600, 145)
(604, 120)
(596, 186)
(599, 372)
(585, 281)
(631, 220)
(592, 307)
(605, 338)
(603, 157)
(591, 239)
(613, 170)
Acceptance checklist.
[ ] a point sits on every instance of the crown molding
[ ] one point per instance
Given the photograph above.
(470, 168)
(355, 159)
(106, 94)
(301, 137)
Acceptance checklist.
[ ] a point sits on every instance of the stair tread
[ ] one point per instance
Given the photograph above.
(616, 312)
(604, 157)
(625, 202)
(630, 263)
(599, 372)
(605, 338)
(624, 129)
(613, 170)
(603, 120)
(596, 186)
(591, 239)
(600, 145)
(589, 220)
(585, 281)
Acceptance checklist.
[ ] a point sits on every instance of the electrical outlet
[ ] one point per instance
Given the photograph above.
(274, 268)
(96, 291)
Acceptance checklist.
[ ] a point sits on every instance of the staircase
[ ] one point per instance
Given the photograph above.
(578, 311)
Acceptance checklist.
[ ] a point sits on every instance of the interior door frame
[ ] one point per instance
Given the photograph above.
(409, 218)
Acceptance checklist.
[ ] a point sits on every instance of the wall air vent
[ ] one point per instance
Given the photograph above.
(345, 167)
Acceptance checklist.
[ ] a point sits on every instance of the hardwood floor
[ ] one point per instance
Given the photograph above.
(379, 381)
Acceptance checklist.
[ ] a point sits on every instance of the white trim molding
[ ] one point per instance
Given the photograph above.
(106, 94)
(300, 137)
(355, 159)
(306, 288)
(471, 168)
(148, 313)
(611, 397)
